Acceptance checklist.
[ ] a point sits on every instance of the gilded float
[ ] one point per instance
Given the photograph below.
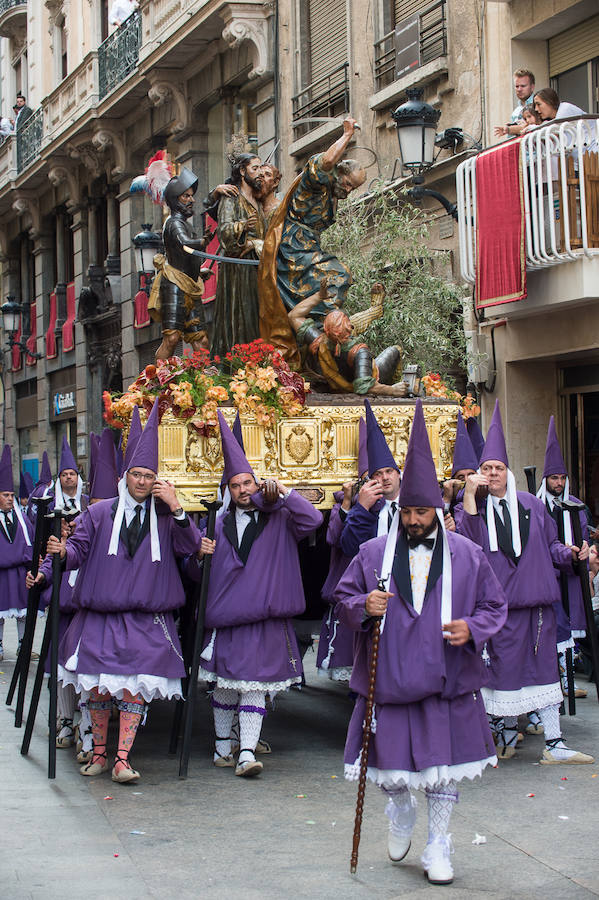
(314, 452)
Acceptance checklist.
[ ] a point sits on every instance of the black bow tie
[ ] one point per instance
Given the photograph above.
(429, 543)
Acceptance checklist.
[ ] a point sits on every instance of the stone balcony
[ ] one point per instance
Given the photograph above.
(13, 18)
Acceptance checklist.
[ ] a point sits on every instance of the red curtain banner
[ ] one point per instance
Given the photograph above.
(500, 248)
(141, 316)
(50, 335)
(17, 360)
(68, 329)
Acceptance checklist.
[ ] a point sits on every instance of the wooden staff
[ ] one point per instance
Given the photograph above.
(374, 657)
(192, 682)
(21, 670)
(575, 509)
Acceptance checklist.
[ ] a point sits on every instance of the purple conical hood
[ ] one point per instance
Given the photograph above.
(464, 456)
(476, 436)
(135, 430)
(67, 460)
(45, 476)
(379, 455)
(6, 480)
(145, 454)
(25, 485)
(495, 444)
(237, 431)
(105, 473)
(94, 441)
(554, 461)
(419, 484)
(362, 447)
(235, 459)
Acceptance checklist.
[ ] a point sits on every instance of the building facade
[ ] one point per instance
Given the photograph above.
(186, 75)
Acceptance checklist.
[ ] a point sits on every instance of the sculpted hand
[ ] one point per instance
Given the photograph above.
(226, 190)
(251, 222)
(376, 603)
(369, 494)
(349, 125)
(165, 491)
(456, 632)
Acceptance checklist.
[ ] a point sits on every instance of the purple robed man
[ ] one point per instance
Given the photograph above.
(520, 540)
(122, 642)
(16, 539)
(336, 642)
(250, 648)
(555, 485)
(376, 505)
(103, 486)
(441, 603)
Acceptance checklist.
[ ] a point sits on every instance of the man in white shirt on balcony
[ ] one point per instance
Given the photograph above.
(524, 87)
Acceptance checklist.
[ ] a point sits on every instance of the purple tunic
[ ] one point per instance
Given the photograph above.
(250, 643)
(522, 658)
(430, 718)
(15, 560)
(578, 622)
(361, 525)
(124, 624)
(336, 643)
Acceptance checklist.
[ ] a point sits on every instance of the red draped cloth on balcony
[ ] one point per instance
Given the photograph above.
(50, 335)
(17, 362)
(500, 248)
(31, 342)
(213, 247)
(141, 316)
(68, 329)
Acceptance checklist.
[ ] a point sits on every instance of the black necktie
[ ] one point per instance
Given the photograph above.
(10, 525)
(507, 521)
(133, 530)
(249, 535)
(392, 512)
(70, 503)
(429, 543)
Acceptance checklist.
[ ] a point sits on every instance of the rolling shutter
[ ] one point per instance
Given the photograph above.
(406, 8)
(328, 36)
(573, 47)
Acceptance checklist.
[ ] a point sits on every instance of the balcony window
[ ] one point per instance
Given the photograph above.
(417, 35)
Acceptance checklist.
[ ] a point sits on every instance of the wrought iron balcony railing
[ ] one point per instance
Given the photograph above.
(325, 98)
(118, 55)
(560, 189)
(29, 140)
(5, 5)
(432, 43)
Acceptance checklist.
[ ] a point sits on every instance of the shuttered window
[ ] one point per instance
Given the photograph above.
(405, 8)
(328, 36)
(573, 47)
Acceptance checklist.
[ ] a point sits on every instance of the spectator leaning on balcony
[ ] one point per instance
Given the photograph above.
(548, 105)
(22, 112)
(121, 10)
(524, 86)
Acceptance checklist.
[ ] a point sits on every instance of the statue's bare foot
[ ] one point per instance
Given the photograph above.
(323, 293)
(400, 389)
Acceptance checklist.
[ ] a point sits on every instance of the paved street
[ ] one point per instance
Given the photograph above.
(287, 833)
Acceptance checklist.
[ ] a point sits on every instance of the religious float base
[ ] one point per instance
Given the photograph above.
(315, 451)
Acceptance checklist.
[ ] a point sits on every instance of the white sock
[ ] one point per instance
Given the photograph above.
(85, 726)
(224, 705)
(1, 631)
(441, 798)
(252, 710)
(550, 718)
(20, 628)
(65, 701)
(400, 810)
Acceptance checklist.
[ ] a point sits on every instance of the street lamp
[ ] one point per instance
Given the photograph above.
(11, 311)
(147, 243)
(416, 123)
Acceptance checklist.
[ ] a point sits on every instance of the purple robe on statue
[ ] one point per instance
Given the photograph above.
(123, 634)
(15, 561)
(431, 725)
(523, 670)
(250, 643)
(335, 655)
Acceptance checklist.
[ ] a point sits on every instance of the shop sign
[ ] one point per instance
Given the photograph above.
(64, 402)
